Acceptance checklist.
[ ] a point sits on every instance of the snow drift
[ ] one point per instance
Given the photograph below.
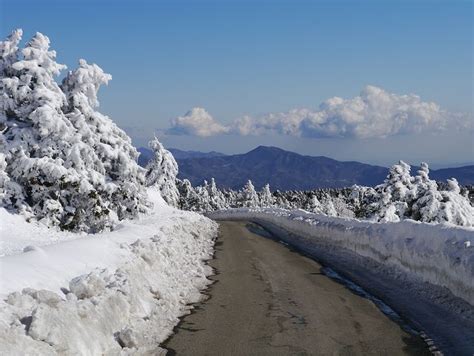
(115, 293)
(442, 255)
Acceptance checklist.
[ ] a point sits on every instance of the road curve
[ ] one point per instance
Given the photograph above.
(268, 300)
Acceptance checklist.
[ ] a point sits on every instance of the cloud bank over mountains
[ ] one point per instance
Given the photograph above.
(373, 113)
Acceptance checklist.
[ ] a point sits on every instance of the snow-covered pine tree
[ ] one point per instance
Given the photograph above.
(230, 198)
(427, 202)
(266, 197)
(455, 208)
(4, 179)
(248, 196)
(188, 198)
(280, 200)
(161, 172)
(313, 205)
(102, 151)
(361, 199)
(396, 194)
(216, 198)
(67, 164)
(36, 133)
(204, 201)
(440, 206)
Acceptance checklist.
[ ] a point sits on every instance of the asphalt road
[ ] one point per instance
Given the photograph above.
(268, 300)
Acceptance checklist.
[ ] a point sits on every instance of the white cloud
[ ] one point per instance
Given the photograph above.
(196, 122)
(373, 113)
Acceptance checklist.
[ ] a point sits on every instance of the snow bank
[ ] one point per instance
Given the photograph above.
(442, 255)
(119, 292)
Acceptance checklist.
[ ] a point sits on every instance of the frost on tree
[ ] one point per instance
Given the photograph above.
(419, 198)
(396, 194)
(103, 150)
(188, 197)
(66, 164)
(401, 196)
(266, 197)
(161, 172)
(216, 197)
(248, 196)
(440, 206)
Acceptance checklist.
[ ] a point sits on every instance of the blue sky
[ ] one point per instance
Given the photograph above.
(238, 58)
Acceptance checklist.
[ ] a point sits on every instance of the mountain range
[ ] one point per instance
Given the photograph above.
(285, 170)
(146, 154)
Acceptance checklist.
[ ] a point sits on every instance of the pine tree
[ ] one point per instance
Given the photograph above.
(102, 149)
(204, 201)
(427, 202)
(266, 197)
(313, 205)
(216, 198)
(66, 164)
(161, 172)
(188, 198)
(36, 132)
(396, 194)
(249, 197)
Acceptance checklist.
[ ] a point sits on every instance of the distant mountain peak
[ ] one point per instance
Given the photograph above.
(268, 151)
(273, 149)
(286, 170)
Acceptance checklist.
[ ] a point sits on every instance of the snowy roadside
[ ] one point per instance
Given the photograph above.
(118, 292)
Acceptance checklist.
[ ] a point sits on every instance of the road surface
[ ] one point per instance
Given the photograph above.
(268, 300)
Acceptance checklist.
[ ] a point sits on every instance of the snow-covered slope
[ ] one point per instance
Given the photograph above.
(118, 292)
(440, 254)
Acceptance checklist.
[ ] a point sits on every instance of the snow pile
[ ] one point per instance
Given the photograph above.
(439, 254)
(63, 164)
(61, 161)
(115, 293)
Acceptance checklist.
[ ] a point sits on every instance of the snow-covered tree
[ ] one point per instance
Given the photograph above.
(441, 206)
(36, 132)
(419, 198)
(266, 197)
(102, 149)
(456, 208)
(395, 194)
(161, 172)
(281, 200)
(313, 205)
(188, 198)
(428, 199)
(216, 198)
(361, 199)
(248, 196)
(204, 201)
(67, 164)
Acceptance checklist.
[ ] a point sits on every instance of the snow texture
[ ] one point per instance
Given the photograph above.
(439, 254)
(114, 293)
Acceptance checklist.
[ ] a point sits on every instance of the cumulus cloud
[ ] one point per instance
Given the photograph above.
(373, 113)
(196, 122)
